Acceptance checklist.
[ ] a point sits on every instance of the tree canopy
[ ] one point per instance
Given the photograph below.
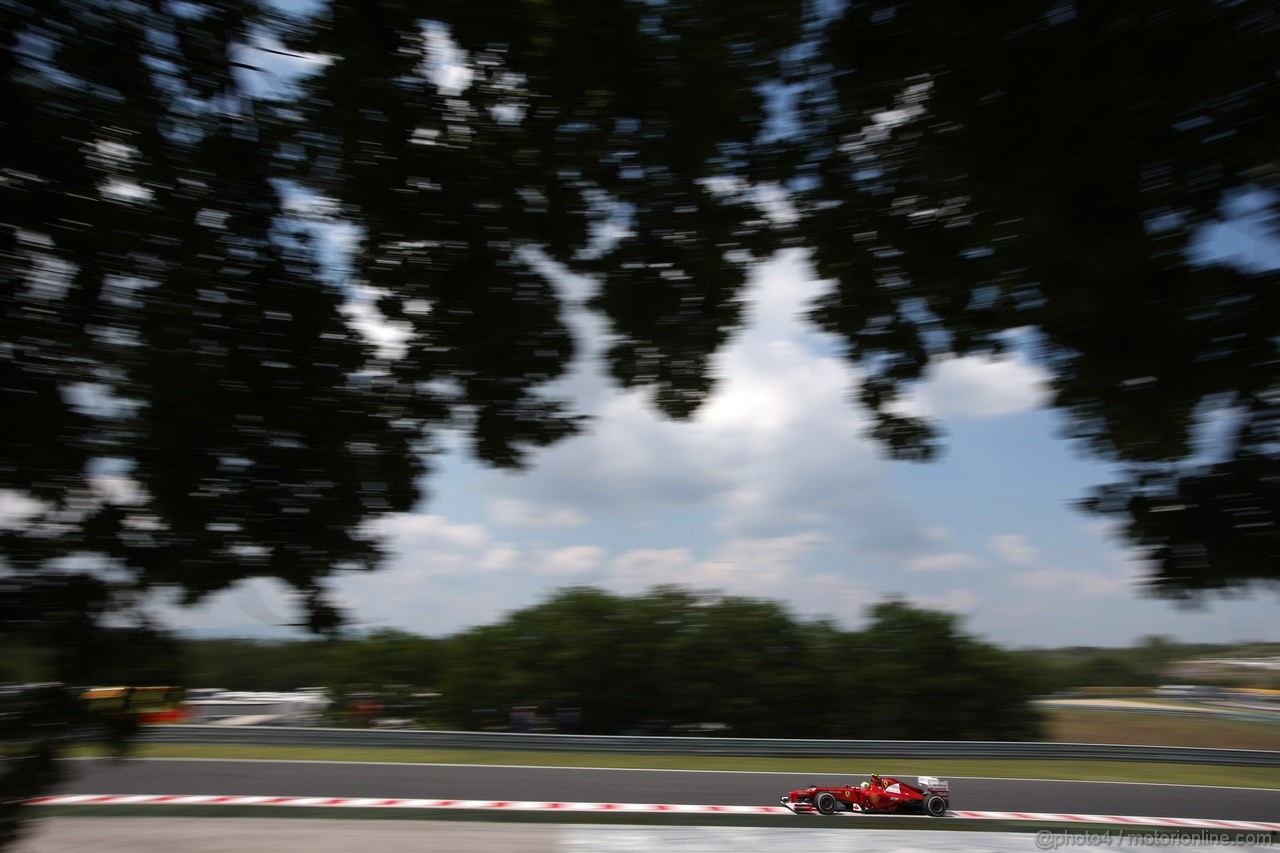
(1047, 167)
(673, 660)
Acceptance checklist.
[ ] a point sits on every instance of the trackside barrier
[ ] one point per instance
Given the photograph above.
(659, 745)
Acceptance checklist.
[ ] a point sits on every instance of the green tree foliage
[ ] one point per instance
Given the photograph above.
(919, 677)
(240, 664)
(1150, 662)
(387, 673)
(167, 327)
(571, 104)
(180, 389)
(670, 657)
(673, 660)
(380, 659)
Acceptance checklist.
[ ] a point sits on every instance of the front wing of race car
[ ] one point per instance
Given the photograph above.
(797, 808)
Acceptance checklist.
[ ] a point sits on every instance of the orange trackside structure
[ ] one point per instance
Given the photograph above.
(154, 704)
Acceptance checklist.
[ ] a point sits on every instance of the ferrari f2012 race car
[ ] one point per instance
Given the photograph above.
(882, 794)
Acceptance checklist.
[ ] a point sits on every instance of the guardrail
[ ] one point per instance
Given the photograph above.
(659, 745)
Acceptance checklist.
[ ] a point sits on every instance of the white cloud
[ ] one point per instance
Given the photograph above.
(573, 561)
(831, 595)
(775, 449)
(416, 531)
(257, 607)
(978, 387)
(16, 509)
(121, 491)
(445, 62)
(428, 547)
(1046, 581)
(763, 568)
(390, 338)
(640, 569)
(513, 512)
(502, 557)
(960, 601)
(115, 189)
(1014, 549)
(952, 562)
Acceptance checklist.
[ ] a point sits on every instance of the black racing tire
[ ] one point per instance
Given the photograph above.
(825, 802)
(935, 806)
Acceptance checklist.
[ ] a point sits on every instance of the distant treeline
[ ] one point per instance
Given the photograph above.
(673, 660)
(1149, 663)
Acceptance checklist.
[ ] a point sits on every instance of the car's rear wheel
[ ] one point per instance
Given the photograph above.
(825, 803)
(935, 806)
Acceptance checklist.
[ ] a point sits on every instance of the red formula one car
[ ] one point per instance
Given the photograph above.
(882, 795)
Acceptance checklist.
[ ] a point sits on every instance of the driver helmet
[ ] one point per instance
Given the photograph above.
(865, 785)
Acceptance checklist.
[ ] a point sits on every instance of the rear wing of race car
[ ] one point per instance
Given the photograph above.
(933, 783)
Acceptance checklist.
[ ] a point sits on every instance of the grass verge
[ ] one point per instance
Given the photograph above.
(1097, 771)
(1083, 725)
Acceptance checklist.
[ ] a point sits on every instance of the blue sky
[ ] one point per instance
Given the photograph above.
(771, 492)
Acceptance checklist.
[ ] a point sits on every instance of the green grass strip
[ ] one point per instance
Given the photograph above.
(1096, 771)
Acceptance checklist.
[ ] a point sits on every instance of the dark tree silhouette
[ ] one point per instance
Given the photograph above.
(186, 404)
(1046, 167)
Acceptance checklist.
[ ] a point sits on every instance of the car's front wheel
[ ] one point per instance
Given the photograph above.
(825, 803)
(935, 806)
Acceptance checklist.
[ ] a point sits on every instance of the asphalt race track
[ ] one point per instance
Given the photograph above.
(563, 784)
